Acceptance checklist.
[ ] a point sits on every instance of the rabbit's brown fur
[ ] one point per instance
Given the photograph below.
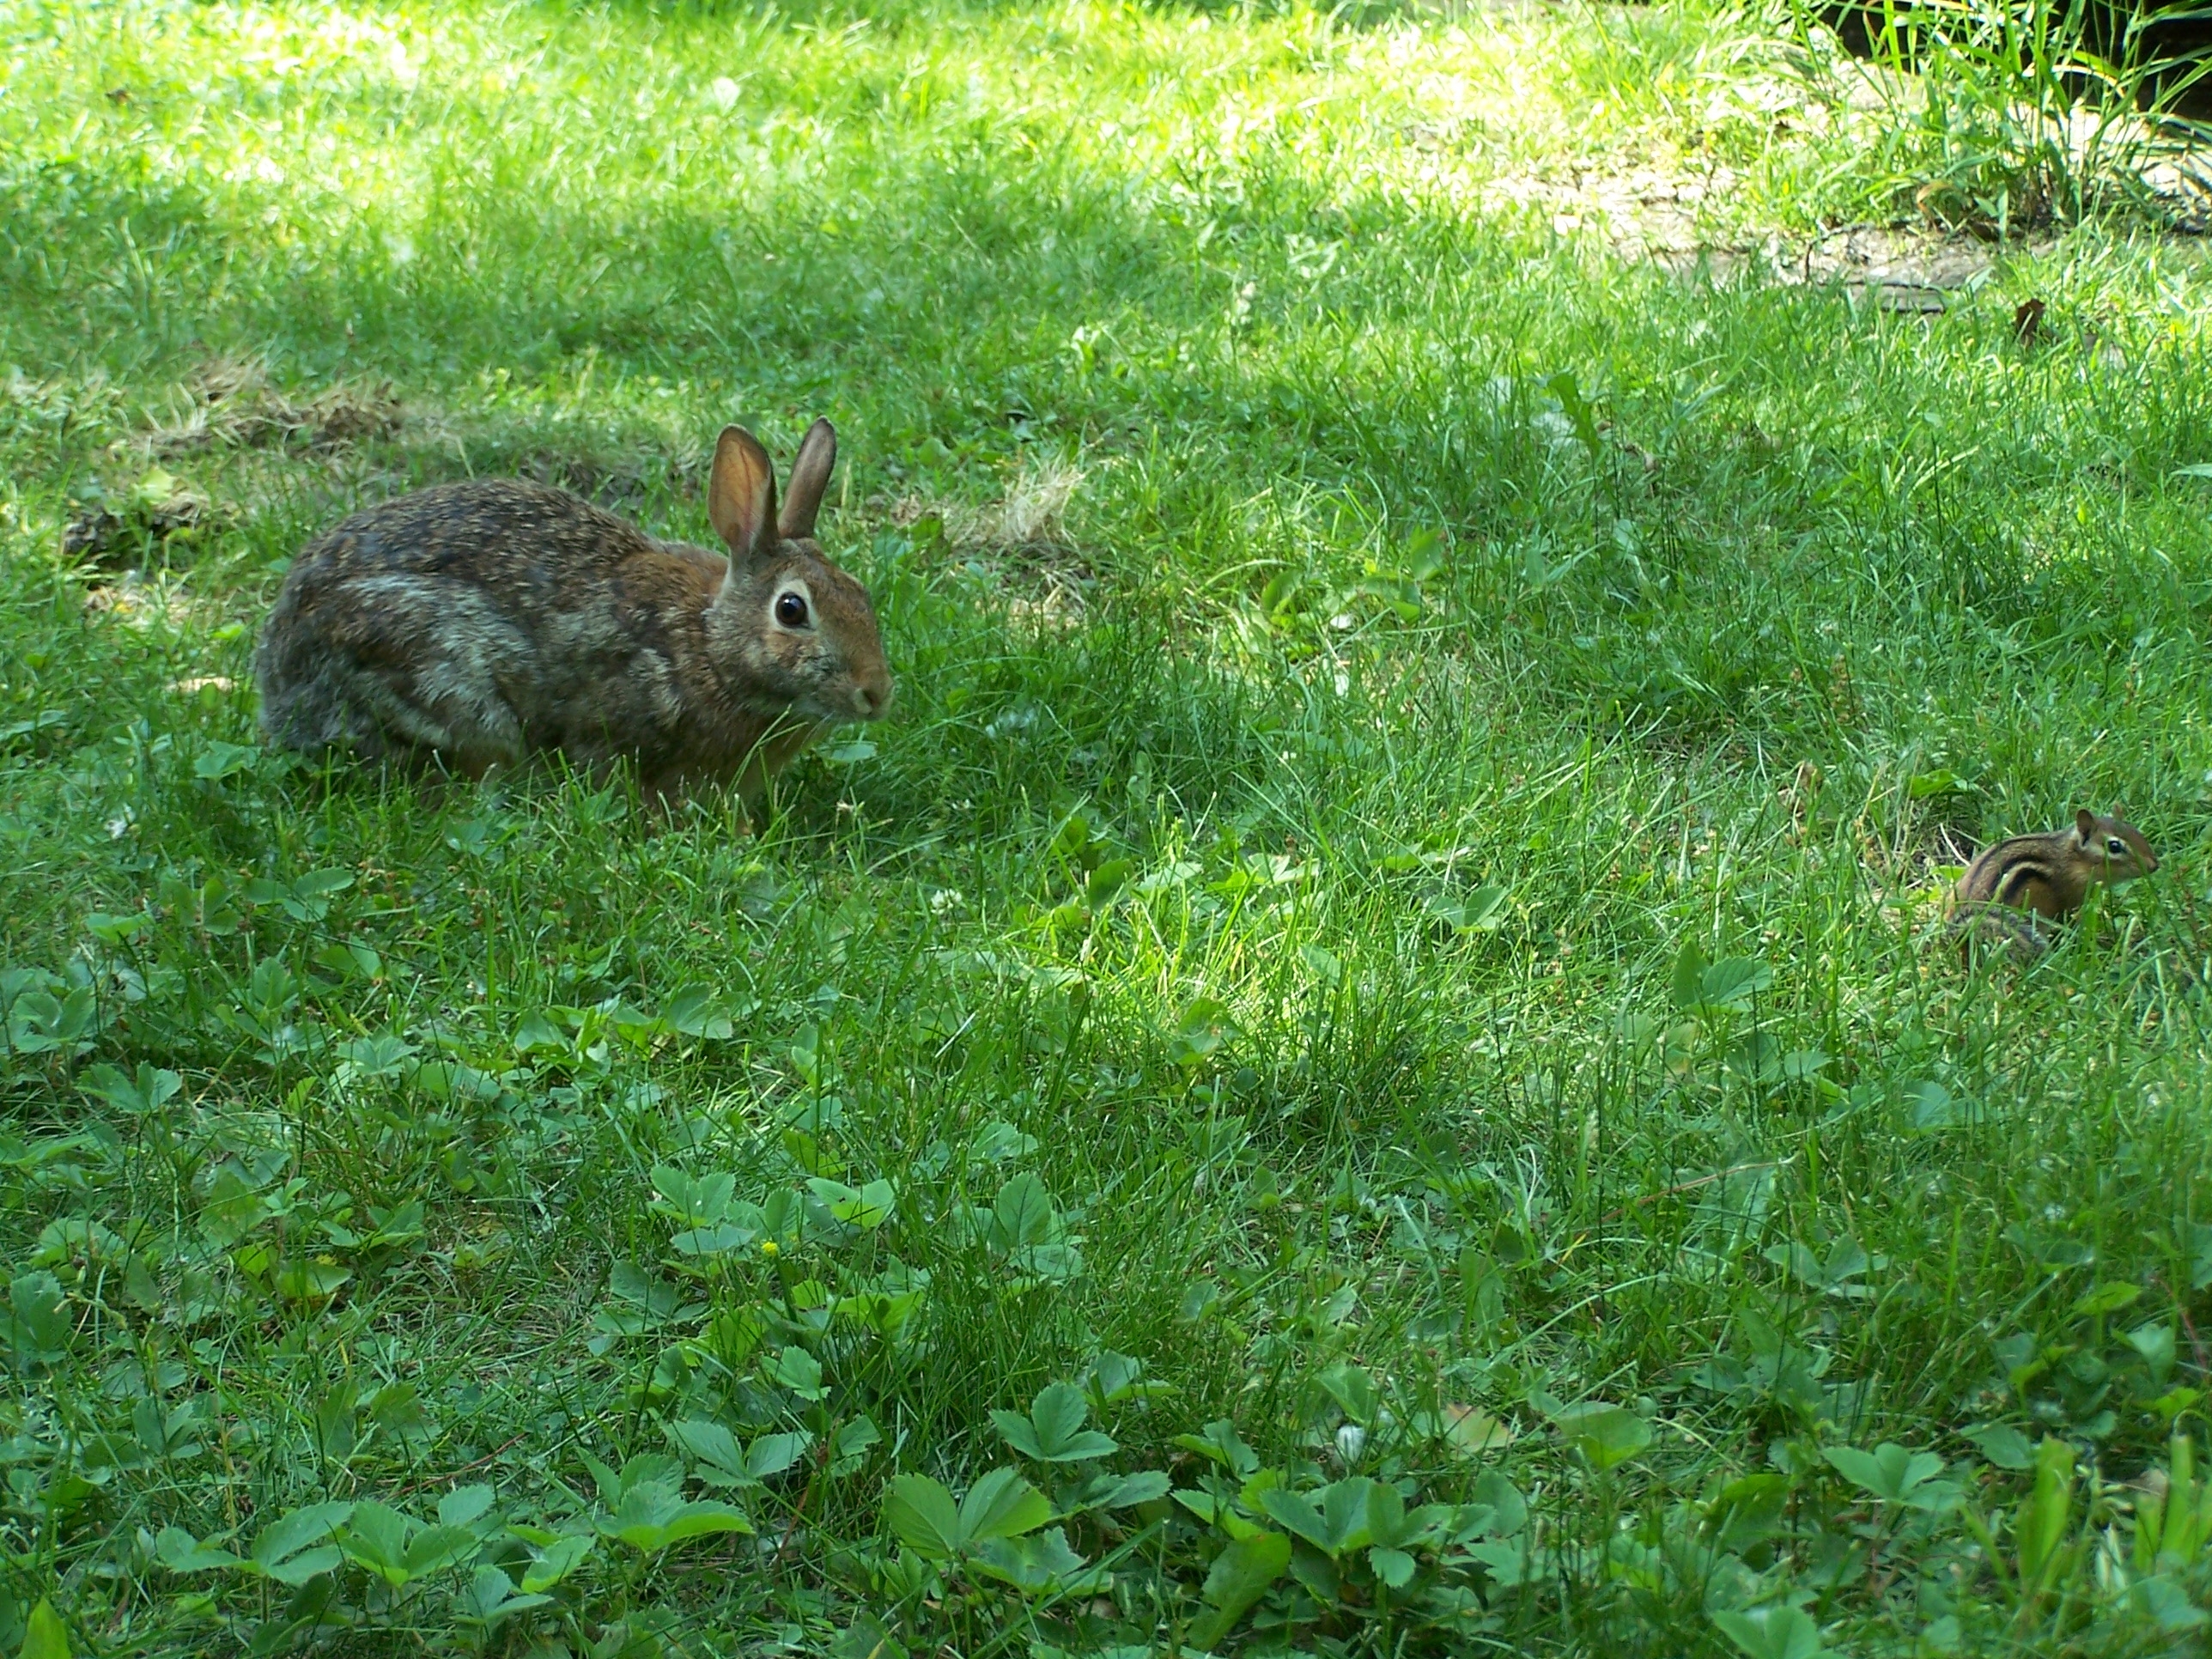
(487, 621)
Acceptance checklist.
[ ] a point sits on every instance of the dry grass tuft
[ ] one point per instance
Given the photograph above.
(230, 404)
(1024, 533)
(1028, 522)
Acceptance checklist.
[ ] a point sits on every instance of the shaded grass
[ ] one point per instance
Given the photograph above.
(1736, 635)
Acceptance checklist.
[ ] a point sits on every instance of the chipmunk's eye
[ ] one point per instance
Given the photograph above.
(2116, 847)
(791, 610)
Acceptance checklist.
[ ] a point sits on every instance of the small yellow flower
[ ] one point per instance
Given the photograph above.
(768, 1247)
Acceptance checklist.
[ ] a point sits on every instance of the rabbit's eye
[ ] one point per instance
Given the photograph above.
(2116, 847)
(791, 610)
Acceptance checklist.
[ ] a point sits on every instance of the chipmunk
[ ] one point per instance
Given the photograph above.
(2016, 881)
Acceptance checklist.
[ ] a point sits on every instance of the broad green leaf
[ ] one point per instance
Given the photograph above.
(36, 1322)
(490, 1600)
(922, 1514)
(999, 1141)
(1221, 1442)
(1114, 1379)
(146, 1092)
(1030, 1564)
(701, 1520)
(2003, 1445)
(694, 1201)
(2166, 1604)
(717, 1449)
(1732, 982)
(435, 1548)
(310, 1284)
(1240, 1576)
(1353, 1390)
(695, 1011)
(557, 1560)
(652, 1516)
(375, 1537)
(885, 1311)
(1200, 1029)
(1120, 1492)
(378, 1056)
(1073, 836)
(1934, 1106)
(1333, 1520)
(1771, 1633)
(280, 1549)
(1348, 1509)
(1298, 1515)
(1494, 1491)
(2107, 1299)
(1024, 1213)
(1002, 1504)
(799, 1371)
(719, 1239)
(1896, 1475)
(867, 1208)
(865, 1637)
(1687, 981)
(645, 1469)
(853, 1443)
(1924, 786)
(179, 1551)
(45, 1636)
(1394, 1567)
(1108, 879)
(657, 1299)
(1387, 1523)
(1470, 1431)
(219, 761)
(772, 1454)
(1483, 910)
(1053, 1432)
(1603, 1433)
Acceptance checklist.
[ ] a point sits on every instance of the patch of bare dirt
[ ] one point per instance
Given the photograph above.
(1024, 534)
(1668, 218)
(141, 602)
(230, 404)
(123, 528)
(1647, 214)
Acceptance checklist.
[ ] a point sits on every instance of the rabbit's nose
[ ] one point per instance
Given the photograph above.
(871, 700)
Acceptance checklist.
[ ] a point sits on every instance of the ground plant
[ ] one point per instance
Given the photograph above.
(1368, 1065)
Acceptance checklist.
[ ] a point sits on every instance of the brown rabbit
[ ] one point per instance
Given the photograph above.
(487, 621)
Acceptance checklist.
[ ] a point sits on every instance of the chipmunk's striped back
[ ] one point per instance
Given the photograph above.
(2011, 883)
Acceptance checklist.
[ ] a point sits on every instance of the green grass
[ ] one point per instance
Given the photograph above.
(1409, 904)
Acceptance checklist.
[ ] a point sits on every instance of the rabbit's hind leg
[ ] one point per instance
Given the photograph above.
(435, 674)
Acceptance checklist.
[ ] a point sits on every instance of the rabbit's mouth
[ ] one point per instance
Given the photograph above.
(831, 706)
(861, 697)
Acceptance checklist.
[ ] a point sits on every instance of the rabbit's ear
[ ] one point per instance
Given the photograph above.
(810, 477)
(741, 494)
(2085, 824)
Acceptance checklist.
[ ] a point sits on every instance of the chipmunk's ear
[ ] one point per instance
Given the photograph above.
(2085, 824)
